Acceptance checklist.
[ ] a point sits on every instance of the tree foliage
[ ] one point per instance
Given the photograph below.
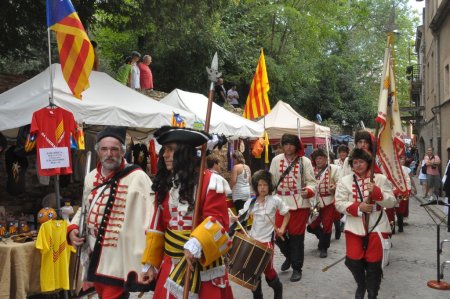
(322, 56)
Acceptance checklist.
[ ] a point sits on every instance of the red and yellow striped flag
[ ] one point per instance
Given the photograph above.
(76, 53)
(257, 100)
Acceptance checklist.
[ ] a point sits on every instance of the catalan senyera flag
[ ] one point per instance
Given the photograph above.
(257, 104)
(178, 121)
(390, 145)
(76, 53)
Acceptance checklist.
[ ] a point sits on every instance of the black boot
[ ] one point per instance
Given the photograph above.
(324, 244)
(296, 250)
(277, 287)
(373, 279)
(337, 229)
(257, 294)
(393, 227)
(284, 248)
(400, 223)
(357, 267)
(317, 231)
(286, 265)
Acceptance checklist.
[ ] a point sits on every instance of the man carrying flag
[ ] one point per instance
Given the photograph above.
(76, 53)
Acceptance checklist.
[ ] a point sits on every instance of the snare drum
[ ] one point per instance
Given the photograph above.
(247, 260)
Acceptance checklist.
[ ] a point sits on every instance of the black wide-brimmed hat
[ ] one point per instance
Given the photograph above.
(119, 133)
(167, 134)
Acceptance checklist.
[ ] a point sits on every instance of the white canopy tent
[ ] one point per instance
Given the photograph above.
(222, 120)
(105, 102)
(283, 119)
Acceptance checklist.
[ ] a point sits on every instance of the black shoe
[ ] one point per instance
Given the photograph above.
(323, 253)
(286, 265)
(296, 275)
(337, 233)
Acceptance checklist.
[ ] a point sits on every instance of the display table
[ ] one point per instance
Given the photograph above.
(20, 265)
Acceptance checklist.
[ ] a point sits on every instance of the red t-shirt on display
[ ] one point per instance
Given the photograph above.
(52, 127)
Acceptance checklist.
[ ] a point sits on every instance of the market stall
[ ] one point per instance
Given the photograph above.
(284, 119)
(56, 132)
(105, 102)
(222, 120)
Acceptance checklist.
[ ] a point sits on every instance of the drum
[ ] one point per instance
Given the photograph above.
(247, 260)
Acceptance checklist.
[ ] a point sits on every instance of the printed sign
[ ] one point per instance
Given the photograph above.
(54, 157)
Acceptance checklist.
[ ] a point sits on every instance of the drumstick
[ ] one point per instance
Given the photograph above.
(275, 227)
(238, 223)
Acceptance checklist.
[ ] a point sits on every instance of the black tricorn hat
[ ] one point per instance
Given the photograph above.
(119, 133)
(167, 134)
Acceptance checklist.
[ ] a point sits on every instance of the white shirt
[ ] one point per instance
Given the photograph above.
(135, 77)
(232, 96)
(264, 215)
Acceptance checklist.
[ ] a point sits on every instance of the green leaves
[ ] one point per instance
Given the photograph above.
(321, 55)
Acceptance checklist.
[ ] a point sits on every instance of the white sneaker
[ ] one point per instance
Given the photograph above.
(431, 198)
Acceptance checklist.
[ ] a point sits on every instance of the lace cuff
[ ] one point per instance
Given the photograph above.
(194, 246)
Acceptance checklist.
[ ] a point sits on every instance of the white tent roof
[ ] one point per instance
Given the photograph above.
(106, 102)
(222, 120)
(283, 119)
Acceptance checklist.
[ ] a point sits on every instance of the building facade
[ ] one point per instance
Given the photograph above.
(430, 89)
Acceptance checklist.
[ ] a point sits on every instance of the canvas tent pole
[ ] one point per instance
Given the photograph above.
(50, 99)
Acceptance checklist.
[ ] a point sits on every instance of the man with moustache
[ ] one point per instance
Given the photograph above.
(119, 203)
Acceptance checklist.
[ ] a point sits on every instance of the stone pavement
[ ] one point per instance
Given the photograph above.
(412, 264)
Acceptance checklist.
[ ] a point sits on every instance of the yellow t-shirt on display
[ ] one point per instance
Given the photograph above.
(55, 251)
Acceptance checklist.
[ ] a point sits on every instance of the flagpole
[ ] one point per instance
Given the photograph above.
(51, 103)
(213, 76)
(265, 145)
(50, 99)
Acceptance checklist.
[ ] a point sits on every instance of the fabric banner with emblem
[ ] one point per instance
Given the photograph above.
(390, 145)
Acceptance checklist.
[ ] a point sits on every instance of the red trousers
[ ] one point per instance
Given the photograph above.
(297, 221)
(390, 214)
(105, 291)
(326, 217)
(270, 272)
(374, 251)
(403, 208)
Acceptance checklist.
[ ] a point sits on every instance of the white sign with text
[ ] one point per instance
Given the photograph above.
(54, 157)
